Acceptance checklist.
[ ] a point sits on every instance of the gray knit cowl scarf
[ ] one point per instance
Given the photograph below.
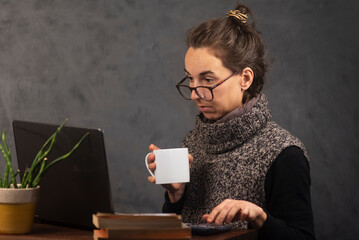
(231, 159)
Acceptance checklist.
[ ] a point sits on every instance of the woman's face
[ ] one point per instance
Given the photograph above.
(205, 69)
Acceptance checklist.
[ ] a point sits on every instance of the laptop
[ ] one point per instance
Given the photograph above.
(75, 188)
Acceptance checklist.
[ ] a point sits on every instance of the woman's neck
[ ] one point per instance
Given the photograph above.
(234, 113)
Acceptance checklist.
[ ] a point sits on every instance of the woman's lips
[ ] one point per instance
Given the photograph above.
(204, 108)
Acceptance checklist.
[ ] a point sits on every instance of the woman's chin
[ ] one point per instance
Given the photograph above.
(211, 116)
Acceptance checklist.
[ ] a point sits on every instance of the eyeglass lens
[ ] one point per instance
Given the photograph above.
(202, 92)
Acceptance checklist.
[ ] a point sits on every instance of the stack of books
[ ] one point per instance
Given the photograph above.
(139, 226)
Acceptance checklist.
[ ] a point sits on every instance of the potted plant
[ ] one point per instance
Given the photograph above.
(18, 200)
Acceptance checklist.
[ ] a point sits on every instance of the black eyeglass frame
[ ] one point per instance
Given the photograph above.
(178, 85)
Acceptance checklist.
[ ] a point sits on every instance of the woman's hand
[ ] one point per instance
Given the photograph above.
(175, 190)
(230, 210)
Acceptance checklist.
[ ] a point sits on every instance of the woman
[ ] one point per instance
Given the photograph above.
(246, 170)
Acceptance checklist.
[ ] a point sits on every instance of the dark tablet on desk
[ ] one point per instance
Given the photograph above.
(75, 188)
(208, 229)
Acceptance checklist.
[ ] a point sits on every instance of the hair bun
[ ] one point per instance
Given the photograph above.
(239, 15)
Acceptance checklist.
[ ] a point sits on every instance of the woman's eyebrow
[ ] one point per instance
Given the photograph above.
(202, 73)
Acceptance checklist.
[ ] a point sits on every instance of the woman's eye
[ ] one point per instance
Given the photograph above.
(208, 80)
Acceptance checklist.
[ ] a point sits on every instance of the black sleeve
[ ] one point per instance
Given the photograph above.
(288, 202)
(176, 207)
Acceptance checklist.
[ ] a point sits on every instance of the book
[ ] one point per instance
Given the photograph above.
(136, 221)
(165, 233)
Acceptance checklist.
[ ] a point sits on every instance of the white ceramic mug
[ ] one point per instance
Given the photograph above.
(172, 165)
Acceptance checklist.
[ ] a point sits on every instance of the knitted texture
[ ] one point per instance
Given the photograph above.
(231, 160)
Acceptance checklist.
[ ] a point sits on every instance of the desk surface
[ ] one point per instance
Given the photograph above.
(45, 231)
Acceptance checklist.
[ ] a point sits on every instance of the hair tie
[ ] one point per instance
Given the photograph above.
(237, 14)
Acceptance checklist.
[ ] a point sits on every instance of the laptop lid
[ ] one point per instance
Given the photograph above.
(75, 188)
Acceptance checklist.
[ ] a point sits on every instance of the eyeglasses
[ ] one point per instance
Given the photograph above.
(204, 92)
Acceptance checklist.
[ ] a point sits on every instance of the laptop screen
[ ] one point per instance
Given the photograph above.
(75, 188)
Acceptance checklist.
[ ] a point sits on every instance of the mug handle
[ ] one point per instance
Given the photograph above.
(146, 163)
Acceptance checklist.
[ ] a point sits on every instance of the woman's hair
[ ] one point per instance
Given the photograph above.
(236, 42)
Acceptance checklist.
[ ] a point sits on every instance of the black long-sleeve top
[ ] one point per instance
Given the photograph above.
(287, 198)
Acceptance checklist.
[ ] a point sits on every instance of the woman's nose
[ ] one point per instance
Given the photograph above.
(194, 95)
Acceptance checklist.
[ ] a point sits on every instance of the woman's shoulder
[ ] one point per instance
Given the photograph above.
(279, 136)
(292, 156)
(278, 132)
(291, 167)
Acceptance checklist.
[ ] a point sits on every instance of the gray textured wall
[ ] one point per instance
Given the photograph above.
(113, 65)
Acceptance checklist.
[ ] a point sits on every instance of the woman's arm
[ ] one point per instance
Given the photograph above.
(288, 201)
(169, 207)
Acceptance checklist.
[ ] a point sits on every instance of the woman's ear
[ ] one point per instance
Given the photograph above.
(247, 76)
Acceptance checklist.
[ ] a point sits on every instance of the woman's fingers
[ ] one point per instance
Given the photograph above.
(213, 216)
(151, 157)
(244, 214)
(225, 208)
(190, 158)
(151, 179)
(153, 147)
(205, 217)
(234, 213)
(230, 210)
(151, 162)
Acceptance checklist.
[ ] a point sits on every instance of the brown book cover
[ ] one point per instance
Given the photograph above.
(117, 234)
(99, 234)
(136, 221)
